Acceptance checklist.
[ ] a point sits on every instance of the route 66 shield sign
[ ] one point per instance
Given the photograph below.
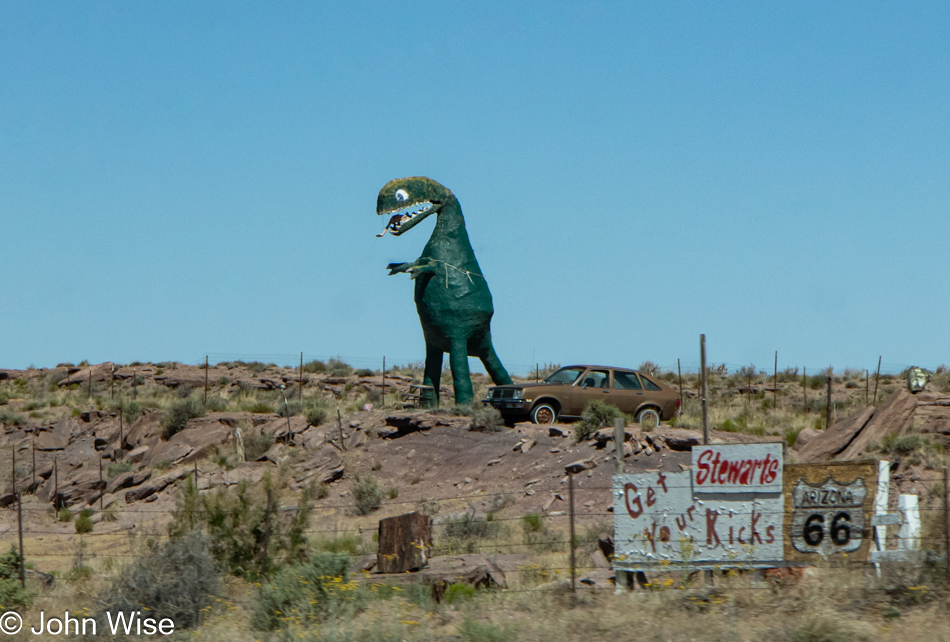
(828, 518)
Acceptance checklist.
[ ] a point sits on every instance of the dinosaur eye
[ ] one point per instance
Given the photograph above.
(402, 195)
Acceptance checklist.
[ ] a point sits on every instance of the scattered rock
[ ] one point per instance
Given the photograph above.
(681, 440)
(805, 437)
(558, 431)
(579, 466)
(137, 454)
(527, 445)
(48, 441)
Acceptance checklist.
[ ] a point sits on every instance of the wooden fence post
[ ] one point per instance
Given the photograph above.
(679, 374)
(702, 379)
(877, 378)
(339, 421)
(828, 402)
(946, 521)
(804, 389)
(570, 490)
(19, 526)
(775, 385)
(618, 442)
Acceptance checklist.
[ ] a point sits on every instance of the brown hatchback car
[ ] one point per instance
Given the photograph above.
(565, 394)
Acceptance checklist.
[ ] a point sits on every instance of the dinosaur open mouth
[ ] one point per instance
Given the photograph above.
(403, 215)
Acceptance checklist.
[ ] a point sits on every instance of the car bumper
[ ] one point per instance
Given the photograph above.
(509, 406)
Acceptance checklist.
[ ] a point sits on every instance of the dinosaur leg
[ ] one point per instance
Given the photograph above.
(486, 352)
(458, 362)
(433, 375)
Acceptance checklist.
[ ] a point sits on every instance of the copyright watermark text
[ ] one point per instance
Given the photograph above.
(127, 622)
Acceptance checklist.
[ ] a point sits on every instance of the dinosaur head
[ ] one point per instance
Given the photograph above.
(406, 201)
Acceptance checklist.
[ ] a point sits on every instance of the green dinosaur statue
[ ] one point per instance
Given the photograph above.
(452, 296)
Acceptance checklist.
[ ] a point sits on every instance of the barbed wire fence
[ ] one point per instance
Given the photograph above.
(932, 543)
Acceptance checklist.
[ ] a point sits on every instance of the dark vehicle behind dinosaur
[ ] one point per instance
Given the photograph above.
(565, 393)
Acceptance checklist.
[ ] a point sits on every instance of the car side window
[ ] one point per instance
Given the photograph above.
(626, 381)
(649, 385)
(595, 379)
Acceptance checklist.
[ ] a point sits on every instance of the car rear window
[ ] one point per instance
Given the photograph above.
(649, 385)
(626, 381)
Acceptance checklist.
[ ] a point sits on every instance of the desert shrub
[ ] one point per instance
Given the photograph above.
(64, 515)
(256, 367)
(177, 579)
(596, 415)
(828, 627)
(913, 447)
(349, 544)
(649, 368)
(130, 409)
(499, 503)
(4, 398)
(537, 536)
(316, 414)
(83, 523)
(176, 416)
(11, 418)
(364, 372)
(791, 435)
(339, 368)
(533, 522)
(216, 403)
(474, 631)
(301, 593)
(117, 468)
(256, 442)
(457, 592)
(235, 521)
(257, 407)
(12, 594)
(290, 409)
(367, 495)
(462, 533)
(374, 396)
(315, 367)
(485, 419)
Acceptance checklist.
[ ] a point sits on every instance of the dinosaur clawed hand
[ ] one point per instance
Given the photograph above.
(396, 268)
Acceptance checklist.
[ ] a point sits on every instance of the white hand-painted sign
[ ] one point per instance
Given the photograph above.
(737, 468)
(658, 519)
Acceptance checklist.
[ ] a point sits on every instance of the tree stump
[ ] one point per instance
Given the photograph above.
(405, 542)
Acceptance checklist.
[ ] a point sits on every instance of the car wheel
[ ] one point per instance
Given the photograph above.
(648, 418)
(543, 413)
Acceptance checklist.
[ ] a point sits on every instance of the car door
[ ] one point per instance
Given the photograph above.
(656, 395)
(592, 385)
(627, 391)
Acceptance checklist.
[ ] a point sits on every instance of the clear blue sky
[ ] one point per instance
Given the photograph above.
(182, 178)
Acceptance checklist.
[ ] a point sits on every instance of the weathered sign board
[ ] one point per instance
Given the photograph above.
(828, 510)
(668, 518)
(740, 506)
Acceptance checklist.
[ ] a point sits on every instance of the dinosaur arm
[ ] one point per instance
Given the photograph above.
(420, 266)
